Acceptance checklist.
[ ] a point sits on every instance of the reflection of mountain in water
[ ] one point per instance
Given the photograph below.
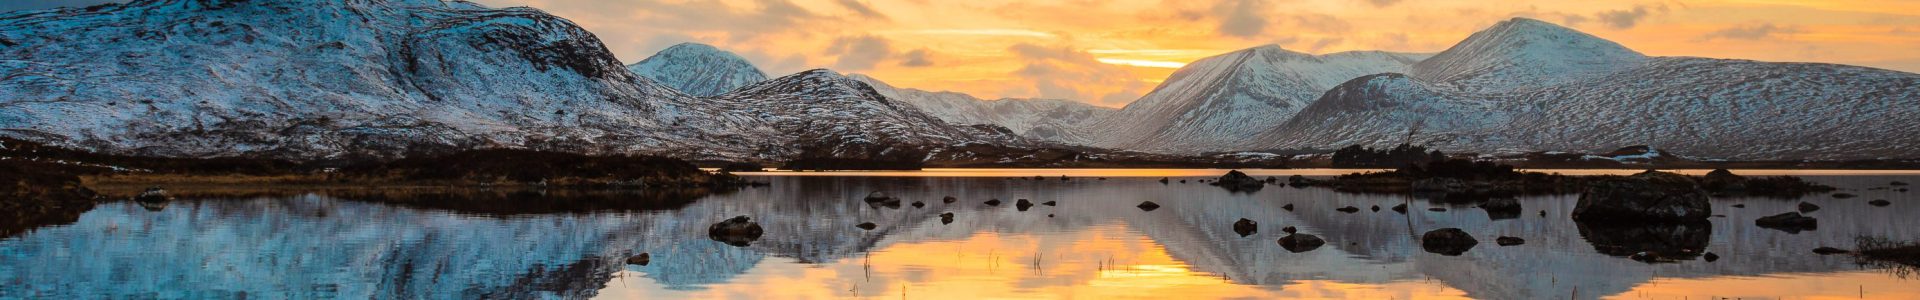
(311, 246)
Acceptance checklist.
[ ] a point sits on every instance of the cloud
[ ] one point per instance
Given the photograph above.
(859, 53)
(1627, 18)
(1323, 43)
(862, 9)
(1062, 72)
(1322, 22)
(917, 58)
(1242, 18)
(1383, 3)
(1751, 32)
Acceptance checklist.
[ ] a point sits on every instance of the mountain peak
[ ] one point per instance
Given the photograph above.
(1526, 52)
(698, 69)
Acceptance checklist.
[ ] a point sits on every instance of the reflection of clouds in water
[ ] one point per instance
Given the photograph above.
(297, 245)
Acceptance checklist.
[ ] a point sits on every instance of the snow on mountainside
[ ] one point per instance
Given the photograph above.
(698, 69)
(1520, 54)
(1019, 115)
(1706, 108)
(1219, 103)
(307, 79)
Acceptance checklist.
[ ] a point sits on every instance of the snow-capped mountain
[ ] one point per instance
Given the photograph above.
(1582, 95)
(1220, 103)
(698, 69)
(383, 78)
(1019, 115)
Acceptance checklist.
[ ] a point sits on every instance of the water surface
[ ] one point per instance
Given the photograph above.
(1094, 245)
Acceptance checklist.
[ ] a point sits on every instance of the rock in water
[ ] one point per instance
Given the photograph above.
(867, 226)
(1829, 251)
(993, 202)
(1148, 206)
(1710, 257)
(153, 194)
(1348, 209)
(877, 196)
(1375, 208)
(1163, 180)
(1509, 241)
(946, 218)
(1881, 202)
(949, 199)
(738, 231)
(1502, 206)
(918, 204)
(1288, 207)
(1023, 204)
(641, 259)
(1402, 208)
(1649, 196)
(1448, 241)
(1808, 207)
(1843, 195)
(1050, 203)
(1239, 182)
(1289, 230)
(1791, 222)
(1245, 227)
(1301, 242)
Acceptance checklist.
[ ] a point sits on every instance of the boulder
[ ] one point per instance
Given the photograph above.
(993, 202)
(1649, 196)
(1236, 181)
(1301, 242)
(1375, 208)
(641, 259)
(1402, 208)
(1289, 230)
(1808, 207)
(153, 194)
(878, 196)
(1148, 206)
(946, 218)
(1721, 180)
(1022, 204)
(1791, 222)
(1245, 227)
(1881, 202)
(1447, 241)
(1288, 207)
(1348, 209)
(1163, 180)
(867, 226)
(949, 199)
(1710, 257)
(1509, 241)
(918, 204)
(738, 231)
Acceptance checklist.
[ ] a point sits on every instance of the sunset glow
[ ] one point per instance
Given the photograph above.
(1110, 52)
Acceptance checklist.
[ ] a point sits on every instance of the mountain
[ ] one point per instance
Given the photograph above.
(1219, 103)
(1592, 97)
(1021, 116)
(698, 69)
(384, 78)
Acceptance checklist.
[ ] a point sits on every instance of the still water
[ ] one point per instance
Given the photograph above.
(1094, 245)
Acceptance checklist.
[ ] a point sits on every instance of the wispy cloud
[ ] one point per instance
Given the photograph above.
(1751, 32)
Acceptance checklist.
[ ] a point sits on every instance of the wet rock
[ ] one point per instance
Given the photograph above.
(1050, 203)
(1245, 227)
(1710, 257)
(1183, 181)
(1651, 257)
(1049, 215)
(949, 199)
(153, 195)
(1289, 230)
(918, 204)
(1843, 195)
(1148, 206)
(1808, 207)
(993, 202)
(1447, 241)
(1436, 209)
(1649, 196)
(1271, 179)
(1739, 206)
(1664, 240)
(738, 231)
(1509, 241)
(641, 259)
(1375, 208)
(1829, 251)
(1348, 209)
(1163, 180)
(1288, 207)
(878, 196)
(1236, 181)
(1791, 222)
(1723, 180)
(1502, 208)
(867, 226)
(1881, 202)
(1022, 204)
(1301, 242)
(1402, 208)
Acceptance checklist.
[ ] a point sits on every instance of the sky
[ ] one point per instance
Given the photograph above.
(1109, 53)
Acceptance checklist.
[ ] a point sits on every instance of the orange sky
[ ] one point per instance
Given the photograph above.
(1109, 52)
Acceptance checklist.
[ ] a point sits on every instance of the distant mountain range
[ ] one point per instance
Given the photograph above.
(383, 78)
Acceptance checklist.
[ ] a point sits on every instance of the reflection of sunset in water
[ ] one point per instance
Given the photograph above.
(1099, 262)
